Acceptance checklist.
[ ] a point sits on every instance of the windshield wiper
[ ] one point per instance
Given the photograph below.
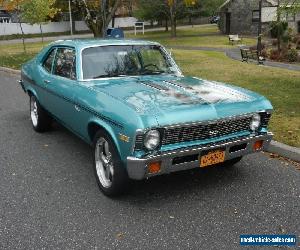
(157, 72)
(107, 75)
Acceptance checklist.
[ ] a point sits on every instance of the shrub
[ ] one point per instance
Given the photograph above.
(292, 55)
(297, 42)
(278, 27)
(264, 53)
(275, 55)
(274, 42)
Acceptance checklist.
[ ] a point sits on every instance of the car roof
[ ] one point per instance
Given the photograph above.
(84, 43)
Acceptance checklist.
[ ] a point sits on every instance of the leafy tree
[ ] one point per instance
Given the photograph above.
(98, 14)
(152, 11)
(38, 12)
(172, 10)
(15, 5)
(158, 10)
(280, 26)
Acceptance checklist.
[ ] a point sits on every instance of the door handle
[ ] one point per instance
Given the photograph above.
(77, 108)
(47, 81)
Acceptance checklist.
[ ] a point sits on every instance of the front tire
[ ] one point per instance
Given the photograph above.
(110, 172)
(40, 119)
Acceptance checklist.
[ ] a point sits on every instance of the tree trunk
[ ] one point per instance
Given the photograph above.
(22, 31)
(173, 27)
(96, 28)
(113, 22)
(42, 34)
(166, 25)
(173, 18)
(278, 28)
(190, 19)
(97, 31)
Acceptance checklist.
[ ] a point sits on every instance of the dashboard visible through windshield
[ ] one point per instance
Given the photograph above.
(125, 60)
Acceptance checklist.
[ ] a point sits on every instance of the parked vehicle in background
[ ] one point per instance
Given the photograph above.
(214, 19)
(130, 101)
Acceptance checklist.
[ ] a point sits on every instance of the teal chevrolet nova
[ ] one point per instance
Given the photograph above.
(130, 101)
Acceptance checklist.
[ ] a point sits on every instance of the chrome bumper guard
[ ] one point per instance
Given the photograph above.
(22, 85)
(137, 168)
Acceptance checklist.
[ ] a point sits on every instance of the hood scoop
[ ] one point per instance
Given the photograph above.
(155, 86)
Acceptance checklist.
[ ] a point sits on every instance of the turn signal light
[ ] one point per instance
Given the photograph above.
(154, 167)
(258, 145)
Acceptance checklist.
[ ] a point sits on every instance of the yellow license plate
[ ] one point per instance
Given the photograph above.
(212, 158)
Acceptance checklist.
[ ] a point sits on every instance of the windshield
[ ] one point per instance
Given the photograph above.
(114, 61)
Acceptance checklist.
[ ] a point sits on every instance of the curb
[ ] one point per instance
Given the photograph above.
(284, 150)
(275, 147)
(11, 71)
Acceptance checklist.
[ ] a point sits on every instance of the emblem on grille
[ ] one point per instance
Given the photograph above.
(213, 133)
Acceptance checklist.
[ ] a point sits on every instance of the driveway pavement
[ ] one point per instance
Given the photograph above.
(49, 198)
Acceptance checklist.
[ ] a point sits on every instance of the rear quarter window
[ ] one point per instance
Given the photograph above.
(49, 61)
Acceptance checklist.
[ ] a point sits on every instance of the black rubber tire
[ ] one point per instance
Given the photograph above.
(43, 121)
(120, 180)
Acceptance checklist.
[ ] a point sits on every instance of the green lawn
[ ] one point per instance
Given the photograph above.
(204, 36)
(281, 86)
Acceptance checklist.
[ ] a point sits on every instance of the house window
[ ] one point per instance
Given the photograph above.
(255, 16)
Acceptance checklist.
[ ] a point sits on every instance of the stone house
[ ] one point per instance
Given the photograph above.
(242, 16)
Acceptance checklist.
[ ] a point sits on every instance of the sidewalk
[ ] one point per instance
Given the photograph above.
(236, 55)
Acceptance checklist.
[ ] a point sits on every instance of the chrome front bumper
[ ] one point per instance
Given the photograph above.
(137, 168)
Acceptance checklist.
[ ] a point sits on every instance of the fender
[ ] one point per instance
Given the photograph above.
(109, 129)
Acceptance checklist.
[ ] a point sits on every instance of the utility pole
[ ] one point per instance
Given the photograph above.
(259, 46)
(71, 21)
(103, 2)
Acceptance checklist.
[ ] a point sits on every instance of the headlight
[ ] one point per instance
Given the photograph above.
(255, 123)
(152, 139)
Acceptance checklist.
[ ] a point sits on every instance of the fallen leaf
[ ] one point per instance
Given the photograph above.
(120, 235)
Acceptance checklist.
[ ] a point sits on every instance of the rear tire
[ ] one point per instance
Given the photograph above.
(110, 172)
(40, 119)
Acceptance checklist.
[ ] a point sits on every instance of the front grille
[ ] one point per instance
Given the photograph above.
(265, 119)
(205, 131)
(139, 142)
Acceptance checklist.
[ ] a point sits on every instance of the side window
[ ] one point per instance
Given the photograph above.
(65, 63)
(49, 60)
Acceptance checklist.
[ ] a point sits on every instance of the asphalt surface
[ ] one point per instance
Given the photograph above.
(49, 198)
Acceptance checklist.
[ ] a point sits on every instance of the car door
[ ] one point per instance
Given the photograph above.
(60, 85)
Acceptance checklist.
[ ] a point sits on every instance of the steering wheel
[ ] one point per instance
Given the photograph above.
(151, 65)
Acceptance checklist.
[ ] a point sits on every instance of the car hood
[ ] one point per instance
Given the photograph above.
(174, 100)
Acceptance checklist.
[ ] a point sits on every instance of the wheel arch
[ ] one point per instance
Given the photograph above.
(95, 125)
(30, 91)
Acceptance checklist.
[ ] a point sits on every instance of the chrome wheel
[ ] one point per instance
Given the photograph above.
(34, 111)
(104, 164)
